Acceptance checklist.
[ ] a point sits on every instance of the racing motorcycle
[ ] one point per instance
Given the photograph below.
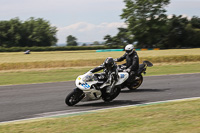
(91, 86)
(133, 83)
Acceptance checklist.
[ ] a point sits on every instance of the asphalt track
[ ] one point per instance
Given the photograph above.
(37, 100)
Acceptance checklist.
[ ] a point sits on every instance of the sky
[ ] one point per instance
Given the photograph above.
(87, 20)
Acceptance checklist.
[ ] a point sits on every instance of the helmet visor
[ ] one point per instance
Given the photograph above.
(128, 51)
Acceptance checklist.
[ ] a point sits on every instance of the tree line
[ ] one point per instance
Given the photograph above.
(33, 32)
(148, 26)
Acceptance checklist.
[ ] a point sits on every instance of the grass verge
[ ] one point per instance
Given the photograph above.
(17, 60)
(42, 76)
(92, 62)
(173, 117)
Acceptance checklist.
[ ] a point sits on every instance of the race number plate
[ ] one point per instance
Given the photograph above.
(85, 85)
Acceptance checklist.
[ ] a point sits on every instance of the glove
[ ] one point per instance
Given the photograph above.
(123, 67)
(127, 70)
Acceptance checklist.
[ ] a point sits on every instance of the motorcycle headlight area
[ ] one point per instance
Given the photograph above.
(89, 78)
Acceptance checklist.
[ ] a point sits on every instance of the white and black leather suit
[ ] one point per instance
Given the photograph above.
(109, 73)
(113, 70)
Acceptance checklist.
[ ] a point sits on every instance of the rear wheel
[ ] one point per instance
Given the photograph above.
(136, 84)
(74, 97)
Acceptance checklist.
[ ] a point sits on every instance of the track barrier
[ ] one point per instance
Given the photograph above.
(114, 50)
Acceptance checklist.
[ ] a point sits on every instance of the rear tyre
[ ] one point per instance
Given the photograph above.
(107, 97)
(74, 97)
(136, 84)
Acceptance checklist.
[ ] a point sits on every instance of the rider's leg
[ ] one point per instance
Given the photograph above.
(114, 79)
(101, 79)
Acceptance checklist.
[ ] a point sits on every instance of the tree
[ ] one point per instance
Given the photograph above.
(10, 34)
(38, 32)
(33, 32)
(123, 37)
(149, 26)
(176, 32)
(182, 32)
(146, 20)
(111, 41)
(108, 40)
(96, 43)
(193, 33)
(84, 44)
(195, 21)
(71, 41)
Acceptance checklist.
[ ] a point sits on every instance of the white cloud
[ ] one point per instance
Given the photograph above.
(180, 7)
(88, 32)
(64, 7)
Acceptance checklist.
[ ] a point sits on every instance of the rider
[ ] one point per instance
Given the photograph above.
(132, 60)
(110, 70)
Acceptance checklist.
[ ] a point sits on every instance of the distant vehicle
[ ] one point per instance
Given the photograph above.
(27, 52)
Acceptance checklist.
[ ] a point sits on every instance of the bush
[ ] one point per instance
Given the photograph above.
(66, 48)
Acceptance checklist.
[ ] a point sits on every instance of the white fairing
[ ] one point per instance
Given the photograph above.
(123, 76)
(85, 83)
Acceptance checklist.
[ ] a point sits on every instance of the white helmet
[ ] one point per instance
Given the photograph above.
(129, 49)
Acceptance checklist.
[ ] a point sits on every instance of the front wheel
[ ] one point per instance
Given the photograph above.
(136, 84)
(74, 97)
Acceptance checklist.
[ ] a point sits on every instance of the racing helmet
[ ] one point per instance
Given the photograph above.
(129, 49)
(109, 63)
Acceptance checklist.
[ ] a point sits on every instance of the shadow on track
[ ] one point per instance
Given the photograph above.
(114, 103)
(144, 90)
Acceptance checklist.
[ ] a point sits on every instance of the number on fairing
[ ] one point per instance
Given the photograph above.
(122, 75)
(86, 86)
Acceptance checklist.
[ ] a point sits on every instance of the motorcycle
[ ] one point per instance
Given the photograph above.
(133, 83)
(91, 86)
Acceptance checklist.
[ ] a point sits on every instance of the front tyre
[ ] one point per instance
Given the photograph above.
(74, 97)
(136, 84)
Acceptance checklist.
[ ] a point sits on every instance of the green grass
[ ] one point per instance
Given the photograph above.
(173, 117)
(42, 76)
(174, 69)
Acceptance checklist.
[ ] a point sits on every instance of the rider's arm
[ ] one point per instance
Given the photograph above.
(96, 69)
(115, 73)
(121, 58)
(135, 63)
